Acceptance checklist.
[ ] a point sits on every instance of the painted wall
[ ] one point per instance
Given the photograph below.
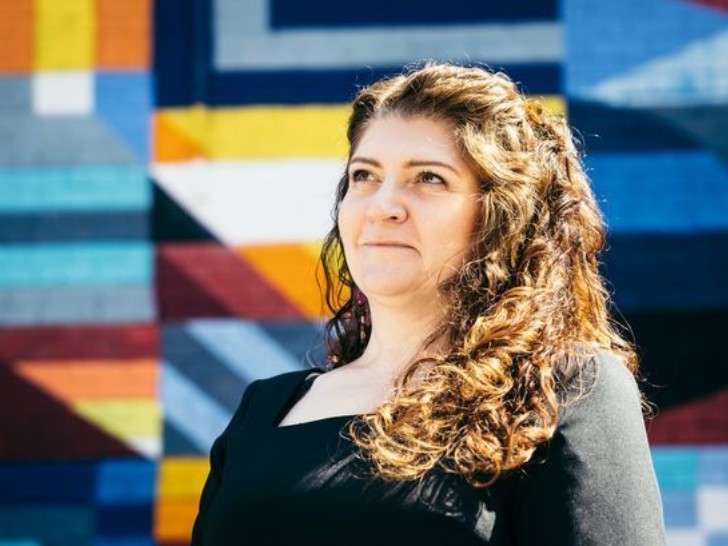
(166, 175)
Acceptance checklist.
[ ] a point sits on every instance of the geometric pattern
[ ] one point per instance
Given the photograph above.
(167, 174)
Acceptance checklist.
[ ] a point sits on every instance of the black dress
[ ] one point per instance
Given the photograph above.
(593, 483)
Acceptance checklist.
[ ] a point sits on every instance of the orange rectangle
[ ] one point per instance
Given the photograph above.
(174, 518)
(124, 31)
(16, 36)
(73, 380)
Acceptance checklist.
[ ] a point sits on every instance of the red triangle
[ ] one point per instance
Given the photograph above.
(718, 4)
(35, 426)
(703, 421)
(210, 280)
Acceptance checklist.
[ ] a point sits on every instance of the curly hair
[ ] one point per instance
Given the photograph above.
(527, 304)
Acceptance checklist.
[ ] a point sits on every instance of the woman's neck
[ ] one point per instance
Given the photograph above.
(398, 334)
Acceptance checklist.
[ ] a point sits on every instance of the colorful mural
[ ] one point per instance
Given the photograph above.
(166, 176)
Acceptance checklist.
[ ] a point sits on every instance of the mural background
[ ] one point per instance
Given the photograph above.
(166, 174)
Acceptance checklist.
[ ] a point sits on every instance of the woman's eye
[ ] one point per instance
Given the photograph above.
(361, 176)
(431, 178)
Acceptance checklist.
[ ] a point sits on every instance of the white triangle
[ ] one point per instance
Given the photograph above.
(696, 75)
(249, 202)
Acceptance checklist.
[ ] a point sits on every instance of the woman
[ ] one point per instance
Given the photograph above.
(476, 391)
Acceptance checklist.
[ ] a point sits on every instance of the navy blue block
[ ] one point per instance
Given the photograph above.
(47, 483)
(683, 363)
(607, 128)
(124, 520)
(337, 86)
(181, 58)
(291, 14)
(668, 271)
(73, 226)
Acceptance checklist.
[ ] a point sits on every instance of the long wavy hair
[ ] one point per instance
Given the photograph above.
(527, 303)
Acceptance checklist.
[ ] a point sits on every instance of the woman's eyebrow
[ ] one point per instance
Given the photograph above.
(411, 163)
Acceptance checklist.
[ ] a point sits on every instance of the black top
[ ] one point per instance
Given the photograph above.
(593, 483)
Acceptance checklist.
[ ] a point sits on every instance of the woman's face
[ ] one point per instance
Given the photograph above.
(411, 208)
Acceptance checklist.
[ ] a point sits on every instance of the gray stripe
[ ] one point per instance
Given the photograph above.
(14, 95)
(244, 41)
(71, 304)
(30, 141)
(74, 226)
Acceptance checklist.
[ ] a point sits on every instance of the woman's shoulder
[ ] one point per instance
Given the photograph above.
(594, 380)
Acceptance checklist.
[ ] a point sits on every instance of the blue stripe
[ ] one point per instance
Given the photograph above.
(190, 410)
(30, 483)
(324, 86)
(88, 264)
(244, 347)
(76, 305)
(119, 521)
(74, 189)
(670, 192)
(381, 13)
(125, 481)
(668, 272)
(73, 226)
(201, 366)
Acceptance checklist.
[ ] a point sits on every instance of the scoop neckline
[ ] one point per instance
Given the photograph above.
(312, 422)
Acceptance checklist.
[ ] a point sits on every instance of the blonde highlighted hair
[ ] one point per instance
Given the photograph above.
(527, 305)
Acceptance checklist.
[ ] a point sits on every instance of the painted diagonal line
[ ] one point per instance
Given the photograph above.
(244, 347)
(190, 410)
(201, 366)
(243, 40)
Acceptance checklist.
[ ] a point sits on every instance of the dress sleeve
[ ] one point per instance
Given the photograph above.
(217, 463)
(594, 483)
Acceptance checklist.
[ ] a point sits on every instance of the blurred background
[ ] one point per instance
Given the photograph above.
(166, 174)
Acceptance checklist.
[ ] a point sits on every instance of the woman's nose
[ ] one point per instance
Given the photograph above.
(387, 203)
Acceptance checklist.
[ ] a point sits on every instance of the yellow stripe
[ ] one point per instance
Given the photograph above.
(65, 33)
(263, 131)
(182, 477)
(269, 132)
(123, 419)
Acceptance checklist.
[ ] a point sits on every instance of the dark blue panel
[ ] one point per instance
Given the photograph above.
(652, 272)
(337, 86)
(335, 13)
(73, 226)
(124, 520)
(605, 128)
(678, 353)
(181, 51)
(47, 483)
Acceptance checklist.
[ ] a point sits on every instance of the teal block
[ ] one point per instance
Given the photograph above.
(49, 526)
(80, 264)
(78, 188)
(676, 468)
(713, 465)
